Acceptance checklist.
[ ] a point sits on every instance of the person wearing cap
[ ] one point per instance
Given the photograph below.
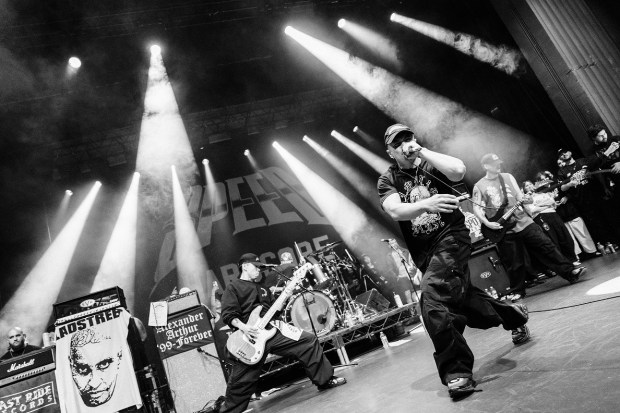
(417, 192)
(243, 295)
(499, 190)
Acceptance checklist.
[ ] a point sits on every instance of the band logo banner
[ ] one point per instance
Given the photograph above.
(184, 332)
(37, 397)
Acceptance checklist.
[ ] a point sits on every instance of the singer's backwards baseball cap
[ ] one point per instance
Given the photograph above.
(393, 131)
(251, 258)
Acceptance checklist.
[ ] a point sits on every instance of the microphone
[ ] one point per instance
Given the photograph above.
(386, 239)
(268, 265)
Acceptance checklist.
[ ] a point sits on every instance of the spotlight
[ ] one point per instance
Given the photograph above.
(334, 133)
(246, 152)
(341, 23)
(98, 184)
(393, 16)
(306, 138)
(155, 49)
(288, 30)
(74, 62)
(275, 144)
(205, 161)
(69, 192)
(355, 129)
(136, 174)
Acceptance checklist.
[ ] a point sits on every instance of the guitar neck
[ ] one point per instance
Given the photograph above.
(288, 290)
(511, 211)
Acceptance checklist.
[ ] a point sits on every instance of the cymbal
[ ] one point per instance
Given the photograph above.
(327, 247)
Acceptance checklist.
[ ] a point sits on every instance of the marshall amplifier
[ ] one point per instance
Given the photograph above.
(486, 270)
(22, 367)
(89, 302)
(28, 383)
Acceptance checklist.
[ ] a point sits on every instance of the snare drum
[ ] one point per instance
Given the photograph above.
(321, 310)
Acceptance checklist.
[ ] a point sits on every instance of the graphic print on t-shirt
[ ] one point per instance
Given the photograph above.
(416, 190)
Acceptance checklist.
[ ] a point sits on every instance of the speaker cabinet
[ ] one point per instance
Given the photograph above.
(373, 301)
(195, 377)
(487, 270)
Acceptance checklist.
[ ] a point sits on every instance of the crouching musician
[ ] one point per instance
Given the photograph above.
(247, 306)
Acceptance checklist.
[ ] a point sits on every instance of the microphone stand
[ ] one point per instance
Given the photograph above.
(404, 263)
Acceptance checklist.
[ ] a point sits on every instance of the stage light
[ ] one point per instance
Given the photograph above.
(192, 269)
(342, 23)
(355, 129)
(275, 144)
(375, 144)
(378, 163)
(440, 123)
(31, 305)
(118, 265)
(69, 192)
(74, 62)
(163, 141)
(358, 230)
(155, 49)
(305, 138)
(205, 161)
(288, 30)
(504, 58)
(246, 152)
(380, 45)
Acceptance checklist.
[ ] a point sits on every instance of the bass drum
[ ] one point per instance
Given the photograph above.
(321, 310)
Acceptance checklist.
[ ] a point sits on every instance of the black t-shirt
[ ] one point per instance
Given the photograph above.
(424, 232)
(608, 161)
(241, 297)
(27, 349)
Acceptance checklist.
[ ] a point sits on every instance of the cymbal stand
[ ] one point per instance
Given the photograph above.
(350, 306)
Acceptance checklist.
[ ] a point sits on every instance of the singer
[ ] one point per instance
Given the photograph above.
(416, 191)
(239, 299)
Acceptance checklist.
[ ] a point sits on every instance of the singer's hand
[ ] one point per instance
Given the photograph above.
(411, 148)
(445, 203)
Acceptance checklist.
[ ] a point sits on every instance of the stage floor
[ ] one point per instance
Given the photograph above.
(571, 364)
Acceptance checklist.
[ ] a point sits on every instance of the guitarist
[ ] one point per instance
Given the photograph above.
(243, 295)
(498, 191)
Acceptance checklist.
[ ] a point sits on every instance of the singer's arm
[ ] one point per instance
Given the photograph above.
(404, 211)
(453, 168)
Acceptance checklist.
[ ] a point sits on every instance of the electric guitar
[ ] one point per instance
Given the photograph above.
(580, 176)
(501, 217)
(251, 351)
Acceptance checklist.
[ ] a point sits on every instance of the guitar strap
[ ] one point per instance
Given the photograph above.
(503, 185)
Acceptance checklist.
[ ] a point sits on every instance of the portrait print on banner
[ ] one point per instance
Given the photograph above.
(94, 368)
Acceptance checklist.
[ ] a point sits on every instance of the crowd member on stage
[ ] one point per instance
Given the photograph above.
(542, 211)
(416, 191)
(584, 194)
(498, 190)
(18, 345)
(243, 295)
(405, 270)
(608, 151)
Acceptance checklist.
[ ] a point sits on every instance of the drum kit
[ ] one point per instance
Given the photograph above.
(323, 302)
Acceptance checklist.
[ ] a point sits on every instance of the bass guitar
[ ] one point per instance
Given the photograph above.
(251, 351)
(501, 217)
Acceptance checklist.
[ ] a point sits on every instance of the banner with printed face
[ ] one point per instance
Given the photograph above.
(36, 394)
(94, 369)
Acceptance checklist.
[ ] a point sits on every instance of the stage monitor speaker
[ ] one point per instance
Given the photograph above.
(195, 377)
(487, 270)
(373, 301)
